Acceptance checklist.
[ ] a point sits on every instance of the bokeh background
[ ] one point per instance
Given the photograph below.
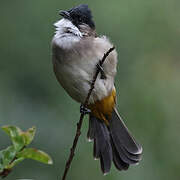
(147, 37)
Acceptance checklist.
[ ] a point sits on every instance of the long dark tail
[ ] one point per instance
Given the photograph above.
(113, 143)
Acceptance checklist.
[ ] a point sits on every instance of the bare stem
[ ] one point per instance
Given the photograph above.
(79, 124)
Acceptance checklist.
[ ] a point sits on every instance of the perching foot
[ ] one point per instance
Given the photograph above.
(84, 110)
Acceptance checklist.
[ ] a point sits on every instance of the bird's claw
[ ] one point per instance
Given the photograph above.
(84, 110)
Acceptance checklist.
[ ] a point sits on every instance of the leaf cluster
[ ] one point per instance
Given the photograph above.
(18, 151)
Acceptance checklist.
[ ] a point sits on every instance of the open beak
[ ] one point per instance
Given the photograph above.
(65, 14)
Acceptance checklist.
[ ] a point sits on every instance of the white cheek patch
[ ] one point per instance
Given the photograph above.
(63, 25)
(66, 34)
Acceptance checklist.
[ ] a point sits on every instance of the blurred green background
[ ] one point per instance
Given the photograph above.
(147, 37)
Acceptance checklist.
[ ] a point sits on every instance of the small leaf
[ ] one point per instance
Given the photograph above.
(12, 130)
(29, 135)
(15, 162)
(15, 135)
(7, 155)
(35, 154)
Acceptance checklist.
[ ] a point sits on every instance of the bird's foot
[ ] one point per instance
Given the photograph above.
(100, 68)
(84, 110)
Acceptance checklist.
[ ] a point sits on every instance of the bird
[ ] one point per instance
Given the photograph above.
(77, 50)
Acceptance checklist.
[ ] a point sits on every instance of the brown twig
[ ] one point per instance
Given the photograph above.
(79, 124)
(6, 172)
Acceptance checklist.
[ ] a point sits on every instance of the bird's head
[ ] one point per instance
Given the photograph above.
(79, 15)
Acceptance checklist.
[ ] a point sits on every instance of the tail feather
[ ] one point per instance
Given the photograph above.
(123, 154)
(121, 135)
(102, 146)
(92, 129)
(96, 152)
(134, 157)
(118, 162)
(113, 143)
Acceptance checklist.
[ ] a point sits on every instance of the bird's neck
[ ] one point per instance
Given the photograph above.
(67, 34)
(87, 31)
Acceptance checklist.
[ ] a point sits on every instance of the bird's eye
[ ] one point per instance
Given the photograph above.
(79, 18)
(68, 30)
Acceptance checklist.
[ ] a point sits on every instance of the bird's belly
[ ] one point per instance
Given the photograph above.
(76, 80)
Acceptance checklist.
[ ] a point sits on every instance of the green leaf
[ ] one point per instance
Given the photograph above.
(12, 130)
(15, 162)
(35, 154)
(15, 135)
(29, 135)
(6, 156)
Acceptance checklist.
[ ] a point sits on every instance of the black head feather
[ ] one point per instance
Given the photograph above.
(79, 15)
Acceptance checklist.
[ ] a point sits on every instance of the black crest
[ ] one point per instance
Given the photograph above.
(80, 15)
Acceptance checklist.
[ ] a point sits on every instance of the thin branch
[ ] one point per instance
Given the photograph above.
(6, 171)
(79, 124)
